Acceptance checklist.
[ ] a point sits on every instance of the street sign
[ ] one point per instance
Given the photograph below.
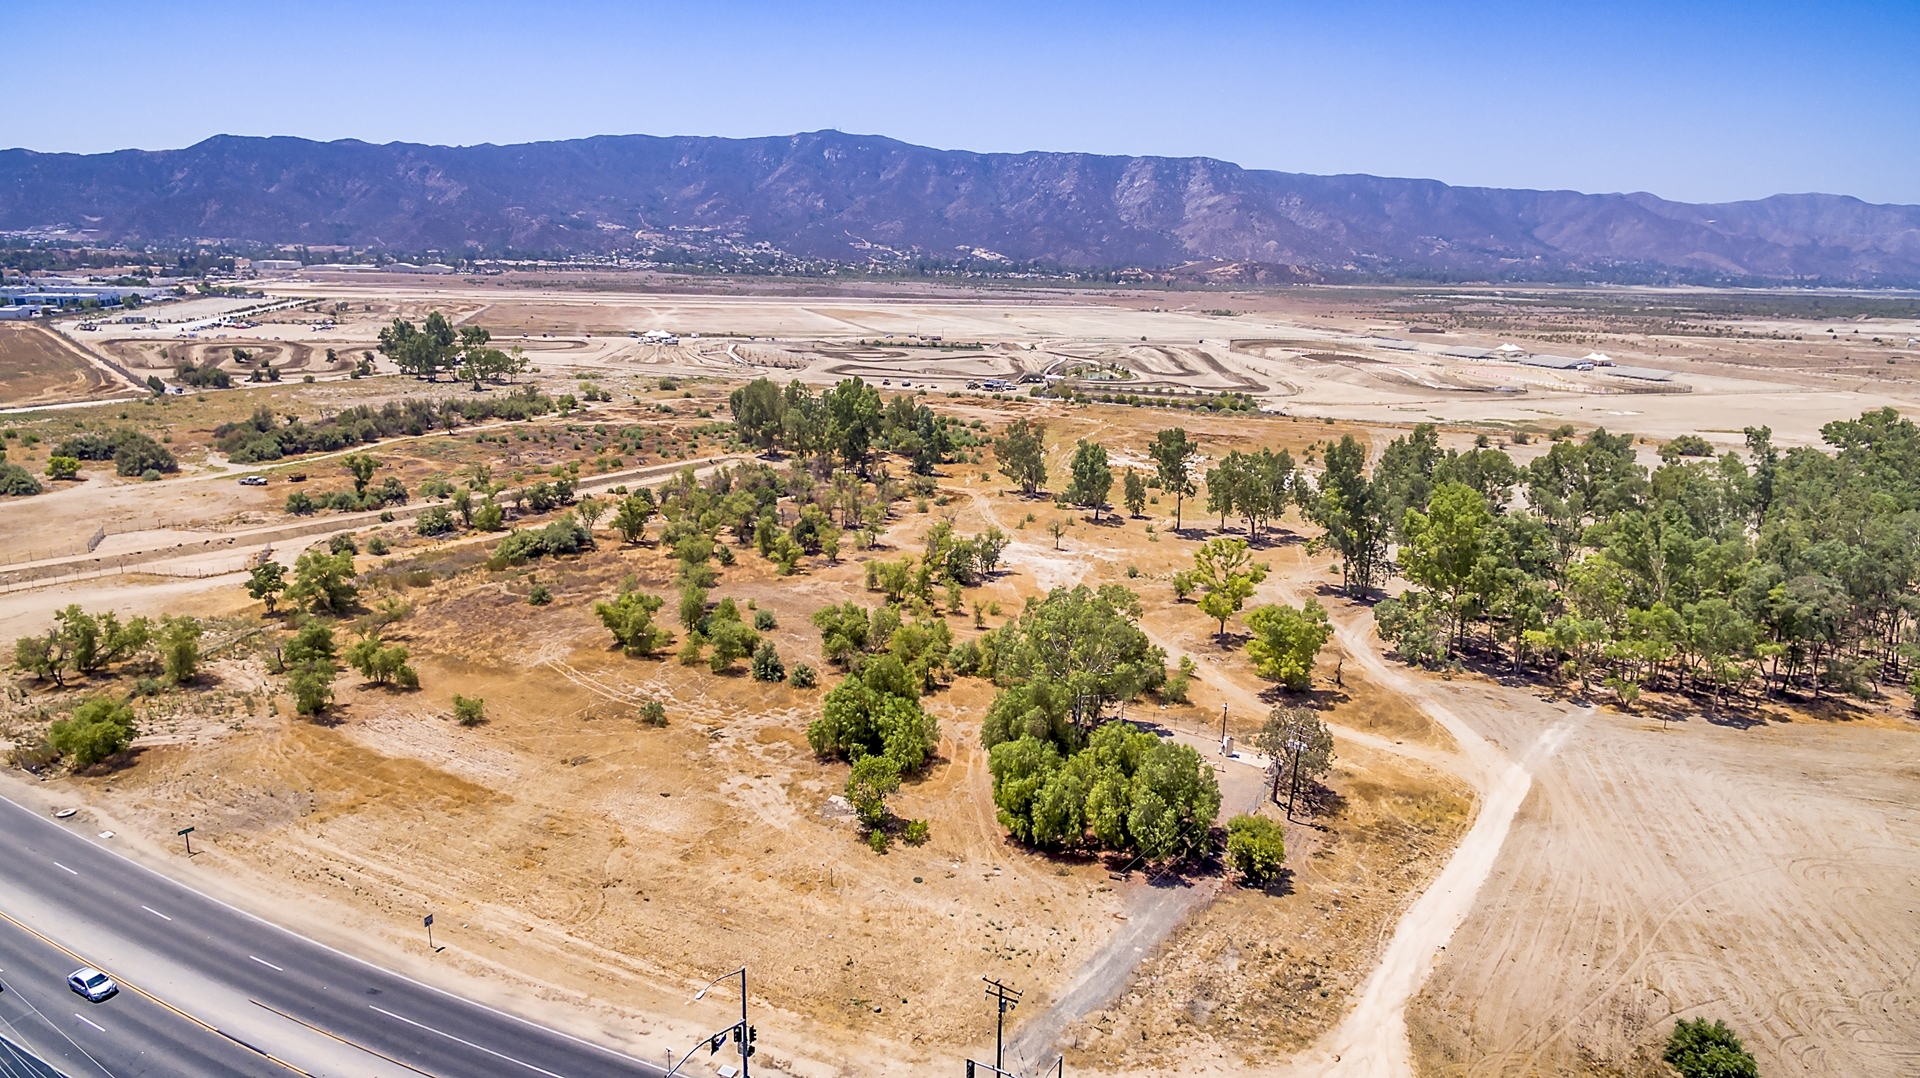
(184, 831)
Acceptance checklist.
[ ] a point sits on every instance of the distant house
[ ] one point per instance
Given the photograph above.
(276, 265)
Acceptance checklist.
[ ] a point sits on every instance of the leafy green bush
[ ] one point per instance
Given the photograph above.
(469, 711)
(17, 481)
(301, 504)
(766, 663)
(437, 520)
(1256, 847)
(99, 728)
(653, 713)
(917, 833)
(539, 595)
(1699, 1049)
(630, 619)
(872, 780)
(802, 676)
(564, 536)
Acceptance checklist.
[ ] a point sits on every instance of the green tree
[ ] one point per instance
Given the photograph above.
(759, 413)
(1092, 478)
(1699, 1049)
(873, 712)
(1021, 451)
(630, 520)
(323, 583)
(1444, 548)
(630, 619)
(1298, 742)
(59, 467)
(872, 780)
(1286, 640)
(1348, 506)
(1227, 575)
(469, 710)
(266, 581)
(1134, 493)
(99, 728)
(1256, 847)
(381, 663)
(179, 643)
(361, 466)
(1173, 456)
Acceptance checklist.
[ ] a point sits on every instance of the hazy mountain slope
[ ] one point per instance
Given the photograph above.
(827, 194)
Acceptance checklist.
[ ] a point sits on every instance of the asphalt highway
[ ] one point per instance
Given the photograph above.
(210, 990)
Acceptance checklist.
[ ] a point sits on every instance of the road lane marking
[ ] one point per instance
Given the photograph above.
(156, 913)
(469, 1044)
(64, 868)
(89, 1021)
(351, 1044)
(266, 963)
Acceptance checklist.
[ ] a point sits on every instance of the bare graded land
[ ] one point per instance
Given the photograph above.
(1763, 873)
(38, 366)
(594, 869)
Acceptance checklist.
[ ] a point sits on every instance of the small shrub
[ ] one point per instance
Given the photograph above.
(766, 663)
(377, 546)
(877, 841)
(802, 676)
(764, 621)
(916, 833)
(469, 710)
(435, 521)
(1699, 1049)
(342, 544)
(653, 713)
(538, 595)
(1256, 847)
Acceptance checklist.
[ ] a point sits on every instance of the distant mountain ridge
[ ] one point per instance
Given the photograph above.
(829, 195)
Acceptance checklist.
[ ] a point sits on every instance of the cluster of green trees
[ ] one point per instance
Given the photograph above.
(88, 644)
(267, 436)
(1066, 774)
(846, 425)
(437, 347)
(132, 452)
(1257, 486)
(1795, 570)
(1125, 789)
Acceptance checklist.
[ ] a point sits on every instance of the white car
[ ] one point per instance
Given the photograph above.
(92, 983)
(253, 480)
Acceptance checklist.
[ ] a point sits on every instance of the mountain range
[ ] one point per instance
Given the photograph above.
(859, 198)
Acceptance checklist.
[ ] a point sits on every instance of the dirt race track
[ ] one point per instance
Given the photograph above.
(1766, 875)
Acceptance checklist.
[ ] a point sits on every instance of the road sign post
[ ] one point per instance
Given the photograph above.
(430, 945)
(187, 833)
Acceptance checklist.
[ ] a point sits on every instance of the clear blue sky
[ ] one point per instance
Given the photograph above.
(1699, 102)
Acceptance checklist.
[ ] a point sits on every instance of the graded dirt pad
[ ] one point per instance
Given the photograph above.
(1765, 876)
(38, 367)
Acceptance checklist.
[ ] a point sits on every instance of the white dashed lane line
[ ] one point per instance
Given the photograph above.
(95, 1025)
(266, 963)
(64, 868)
(156, 913)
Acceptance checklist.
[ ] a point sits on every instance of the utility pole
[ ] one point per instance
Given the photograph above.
(1006, 999)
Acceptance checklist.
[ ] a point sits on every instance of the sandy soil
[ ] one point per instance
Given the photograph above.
(1763, 875)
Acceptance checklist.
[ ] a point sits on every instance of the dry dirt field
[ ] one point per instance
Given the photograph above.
(590, 868)
(38, 366)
